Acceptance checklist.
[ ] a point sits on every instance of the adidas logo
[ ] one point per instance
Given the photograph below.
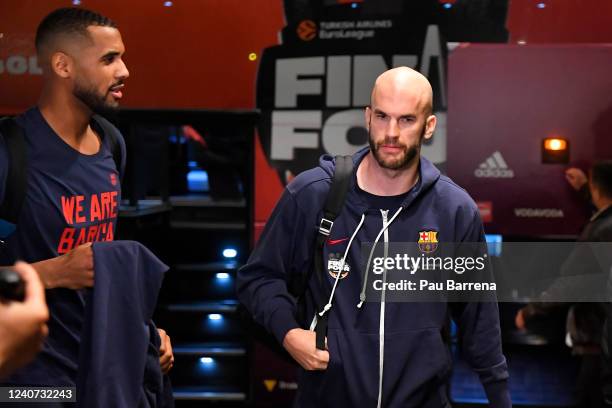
(494, 167)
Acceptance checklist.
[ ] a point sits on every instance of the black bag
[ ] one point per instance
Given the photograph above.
(298, 285)
(16, 181)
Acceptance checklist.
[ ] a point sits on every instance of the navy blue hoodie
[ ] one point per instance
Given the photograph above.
(381, 354)
(118, 355)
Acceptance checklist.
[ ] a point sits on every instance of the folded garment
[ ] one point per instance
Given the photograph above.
(119, 351)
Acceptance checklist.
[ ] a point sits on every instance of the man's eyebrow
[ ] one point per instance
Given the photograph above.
(406, 116)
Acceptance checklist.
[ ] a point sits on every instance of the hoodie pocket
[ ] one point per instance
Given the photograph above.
(417, 368)
(352, 375)
(333, 383)
(324, 388)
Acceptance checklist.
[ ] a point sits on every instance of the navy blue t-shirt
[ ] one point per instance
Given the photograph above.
(382, 202)
(71, 199)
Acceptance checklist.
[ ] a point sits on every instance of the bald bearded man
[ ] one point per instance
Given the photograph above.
(378, 354)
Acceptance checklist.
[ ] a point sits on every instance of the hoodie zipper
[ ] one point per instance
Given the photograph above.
(381, 327)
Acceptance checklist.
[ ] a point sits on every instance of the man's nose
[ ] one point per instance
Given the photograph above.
(123, 71)
(393, 128)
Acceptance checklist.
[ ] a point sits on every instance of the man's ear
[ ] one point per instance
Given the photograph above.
(430, 126)
(367, 113)
(62, 64)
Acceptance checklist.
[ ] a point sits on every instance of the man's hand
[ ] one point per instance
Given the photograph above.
(23, 325)
(576, 178)
(73, 270)
(519, 320)
(166, 358)
(301, 344)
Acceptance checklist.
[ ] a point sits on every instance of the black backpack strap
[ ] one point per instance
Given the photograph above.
(113, 135)
(333, 205)
(16, 181)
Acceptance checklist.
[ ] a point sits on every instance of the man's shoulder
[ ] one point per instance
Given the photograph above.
(602, 227)
(312, 181)
(18, 120)
(30, 123)
(11, 149)
(10, 122)
(454, 194)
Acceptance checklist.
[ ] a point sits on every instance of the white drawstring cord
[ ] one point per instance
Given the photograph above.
(362, 295)
(342, 262)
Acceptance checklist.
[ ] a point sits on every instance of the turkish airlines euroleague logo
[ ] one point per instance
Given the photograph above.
(307, 30)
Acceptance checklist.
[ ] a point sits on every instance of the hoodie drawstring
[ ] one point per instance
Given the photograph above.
(328, 306)
(362, 295)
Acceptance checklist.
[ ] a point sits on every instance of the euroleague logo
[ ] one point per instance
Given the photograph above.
(113, 179)
(334, 263)
(307, 30)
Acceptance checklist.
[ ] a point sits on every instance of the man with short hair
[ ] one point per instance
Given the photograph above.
(73, 189)
(379, 354)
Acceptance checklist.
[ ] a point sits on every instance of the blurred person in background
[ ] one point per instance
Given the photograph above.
(587, 323)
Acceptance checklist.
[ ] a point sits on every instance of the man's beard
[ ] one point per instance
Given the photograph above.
(410, 153)
(96, 102)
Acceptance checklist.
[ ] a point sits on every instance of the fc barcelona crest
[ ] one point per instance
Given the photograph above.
(428, 241)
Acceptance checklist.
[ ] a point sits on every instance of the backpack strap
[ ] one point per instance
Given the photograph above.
(16, 181)
(333, 205)
(113, 135)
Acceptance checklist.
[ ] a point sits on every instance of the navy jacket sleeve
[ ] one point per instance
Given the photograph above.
(262, 282)
(480, 334)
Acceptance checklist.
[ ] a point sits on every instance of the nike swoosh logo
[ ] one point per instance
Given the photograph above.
(336, 241)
